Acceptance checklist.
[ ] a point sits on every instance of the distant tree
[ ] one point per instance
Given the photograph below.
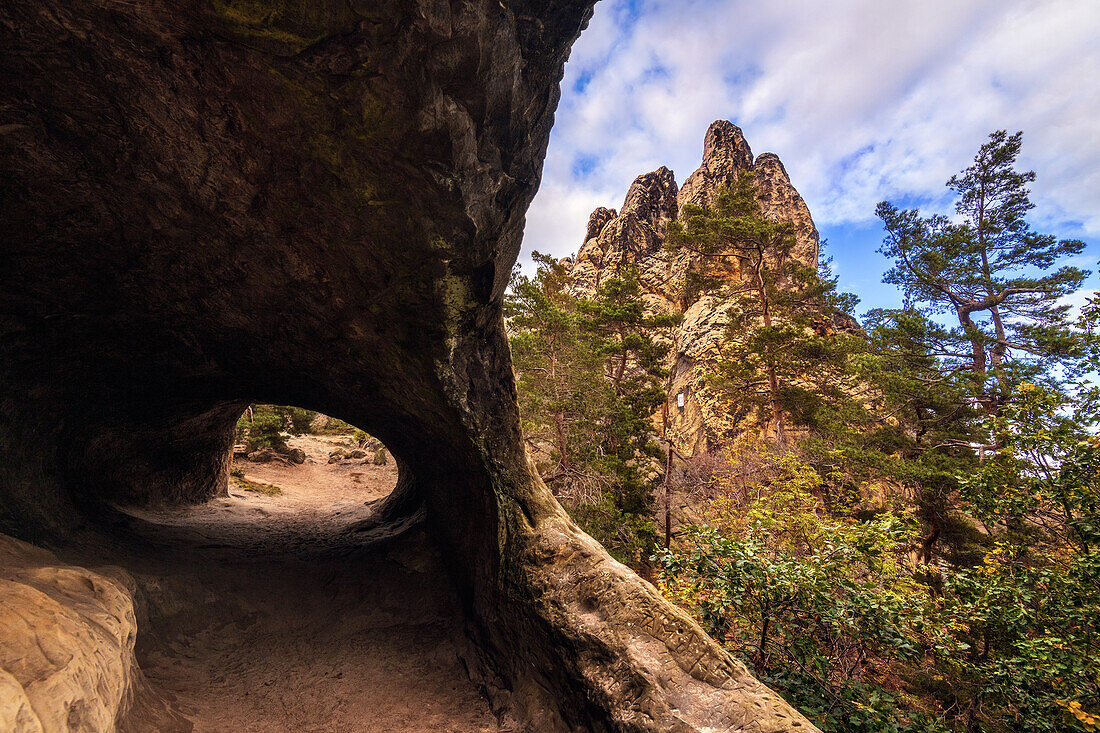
(626, 333)
(558, 366)
(925, 427)
(266, 426)
(589, 375)
(989, 269)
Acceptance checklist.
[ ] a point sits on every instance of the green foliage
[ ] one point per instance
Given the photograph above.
(914, 542)
(1029, 614)
(336, 426)
(299, 420)
(265, 426)
(236, 476)
(990, 272)
(590, 376)
(257, 487)
(265, 429)
(812, 600)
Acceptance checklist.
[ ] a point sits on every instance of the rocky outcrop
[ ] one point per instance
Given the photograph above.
(208, 204)
(781, 202)
(633, 235)
(67, 639)
(725, 155)
(636, 235)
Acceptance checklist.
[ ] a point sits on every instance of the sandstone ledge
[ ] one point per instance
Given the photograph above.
(67, 651)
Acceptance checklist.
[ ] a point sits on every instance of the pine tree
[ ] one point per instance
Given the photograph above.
(635, 369)
(926, 427)
(590, 375)
(618, 318)
(989, 269)
(559, 372)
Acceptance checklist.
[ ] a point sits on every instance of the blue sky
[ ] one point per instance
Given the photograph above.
(863, 100)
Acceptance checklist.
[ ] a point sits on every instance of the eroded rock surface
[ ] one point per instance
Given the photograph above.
(636, 236)
(211, 203)
(67, 638)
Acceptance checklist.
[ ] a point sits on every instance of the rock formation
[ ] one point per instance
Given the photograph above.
(636, 235)
(67, 646)
(317, 203)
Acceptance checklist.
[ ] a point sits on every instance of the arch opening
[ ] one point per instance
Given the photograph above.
(201, 210)
(297, 481)
(296, 593)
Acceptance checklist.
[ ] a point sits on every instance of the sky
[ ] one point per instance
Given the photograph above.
(863, 101)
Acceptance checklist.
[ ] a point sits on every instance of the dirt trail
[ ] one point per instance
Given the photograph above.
(262, 613)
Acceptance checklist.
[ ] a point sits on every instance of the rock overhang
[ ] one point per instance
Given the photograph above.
(315, 204)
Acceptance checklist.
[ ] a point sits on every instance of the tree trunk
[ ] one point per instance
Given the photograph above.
(761, 660)
(977, 349)
(776, 426)
(668, 499)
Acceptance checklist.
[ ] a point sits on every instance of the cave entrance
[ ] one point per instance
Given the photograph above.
(299, 483)
(289, 601)
(306, 470)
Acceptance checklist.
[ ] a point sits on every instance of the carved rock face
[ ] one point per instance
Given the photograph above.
(317, 203)
(636, 236)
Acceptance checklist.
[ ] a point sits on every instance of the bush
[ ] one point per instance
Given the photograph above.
(264, 429)
(818, 604)
(263, 426)
(300, 420)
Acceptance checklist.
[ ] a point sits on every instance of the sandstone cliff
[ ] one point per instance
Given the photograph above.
(317, 203)
(636, 235)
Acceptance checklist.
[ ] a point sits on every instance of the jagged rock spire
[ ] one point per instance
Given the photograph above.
(653, 198)
(597, 220)
(725, 154)
(635, 234)
(781, 202)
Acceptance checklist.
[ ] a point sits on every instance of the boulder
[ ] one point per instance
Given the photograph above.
(296, 455)
(67, 653)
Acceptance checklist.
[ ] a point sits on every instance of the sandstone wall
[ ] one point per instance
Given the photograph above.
(67, 639)
(318, 203)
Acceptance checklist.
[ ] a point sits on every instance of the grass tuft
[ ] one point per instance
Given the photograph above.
(257, 487)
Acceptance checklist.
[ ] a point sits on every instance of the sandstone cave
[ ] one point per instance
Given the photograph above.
(317, 204)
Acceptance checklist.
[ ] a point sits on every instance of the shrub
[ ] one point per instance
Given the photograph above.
(265, 429)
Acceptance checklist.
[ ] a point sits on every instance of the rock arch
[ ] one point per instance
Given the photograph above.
(315, 203)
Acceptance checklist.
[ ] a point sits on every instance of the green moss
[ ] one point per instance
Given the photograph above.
(256, 487)
(325, 149)
(302, 94)
(266, 20)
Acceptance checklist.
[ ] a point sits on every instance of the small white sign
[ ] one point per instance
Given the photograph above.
(680, 400)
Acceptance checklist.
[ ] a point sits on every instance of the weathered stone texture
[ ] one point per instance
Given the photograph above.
(725, 155)
(67, 639)
(316, 203)
(636, 236)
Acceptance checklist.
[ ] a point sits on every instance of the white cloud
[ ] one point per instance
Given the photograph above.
(863, 100)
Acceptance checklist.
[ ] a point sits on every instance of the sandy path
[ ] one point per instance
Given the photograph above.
(261, 614)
